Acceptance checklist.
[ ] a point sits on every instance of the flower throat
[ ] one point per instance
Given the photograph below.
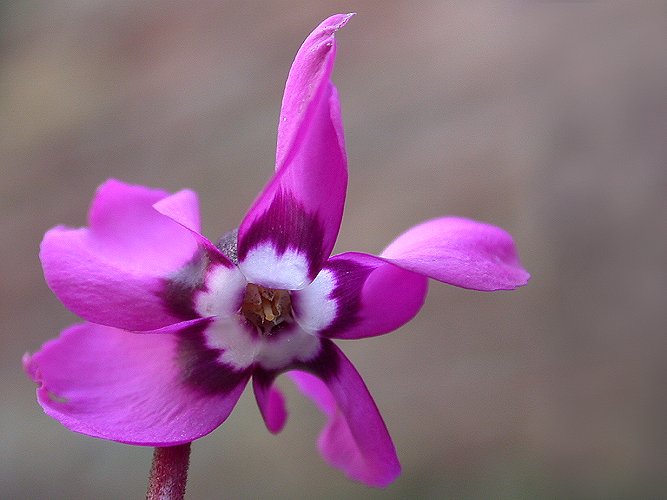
(266, 308)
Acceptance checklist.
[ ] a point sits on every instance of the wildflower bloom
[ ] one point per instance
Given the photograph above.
(177, 326)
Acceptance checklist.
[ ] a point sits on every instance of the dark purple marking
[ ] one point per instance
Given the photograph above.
(178, 291)
(264, 378)
(287, 224)
(325, 365)
(200, 365)
(350, 277)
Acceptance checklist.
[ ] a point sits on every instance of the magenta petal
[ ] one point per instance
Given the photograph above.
(355, 438)
(291, 228)
(460, 252)
(183, 208)
(358, 295)
(310, 70)
(112, 272)
(127, 387)
(271, 403)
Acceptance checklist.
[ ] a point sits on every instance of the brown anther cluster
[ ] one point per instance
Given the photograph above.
(266, 308)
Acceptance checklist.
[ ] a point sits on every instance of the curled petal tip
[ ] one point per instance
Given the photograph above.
(337, 21)
(332, 24)
(346, 18)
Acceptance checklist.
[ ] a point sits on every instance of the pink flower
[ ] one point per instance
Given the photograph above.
(177, 326)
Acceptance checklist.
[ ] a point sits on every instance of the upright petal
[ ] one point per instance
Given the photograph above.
(358, 295)
(153, 390)
(311, 67)
(113, 272)
(355, 438)
(460, 252)
(291, 228)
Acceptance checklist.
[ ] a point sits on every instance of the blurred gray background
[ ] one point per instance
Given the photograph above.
(548, 119)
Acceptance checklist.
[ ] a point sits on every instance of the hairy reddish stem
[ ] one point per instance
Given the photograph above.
(169, 473)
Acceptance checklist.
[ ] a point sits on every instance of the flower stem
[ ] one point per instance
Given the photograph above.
(169, 473)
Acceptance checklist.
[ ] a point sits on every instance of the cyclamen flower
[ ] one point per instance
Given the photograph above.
(177, 326)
